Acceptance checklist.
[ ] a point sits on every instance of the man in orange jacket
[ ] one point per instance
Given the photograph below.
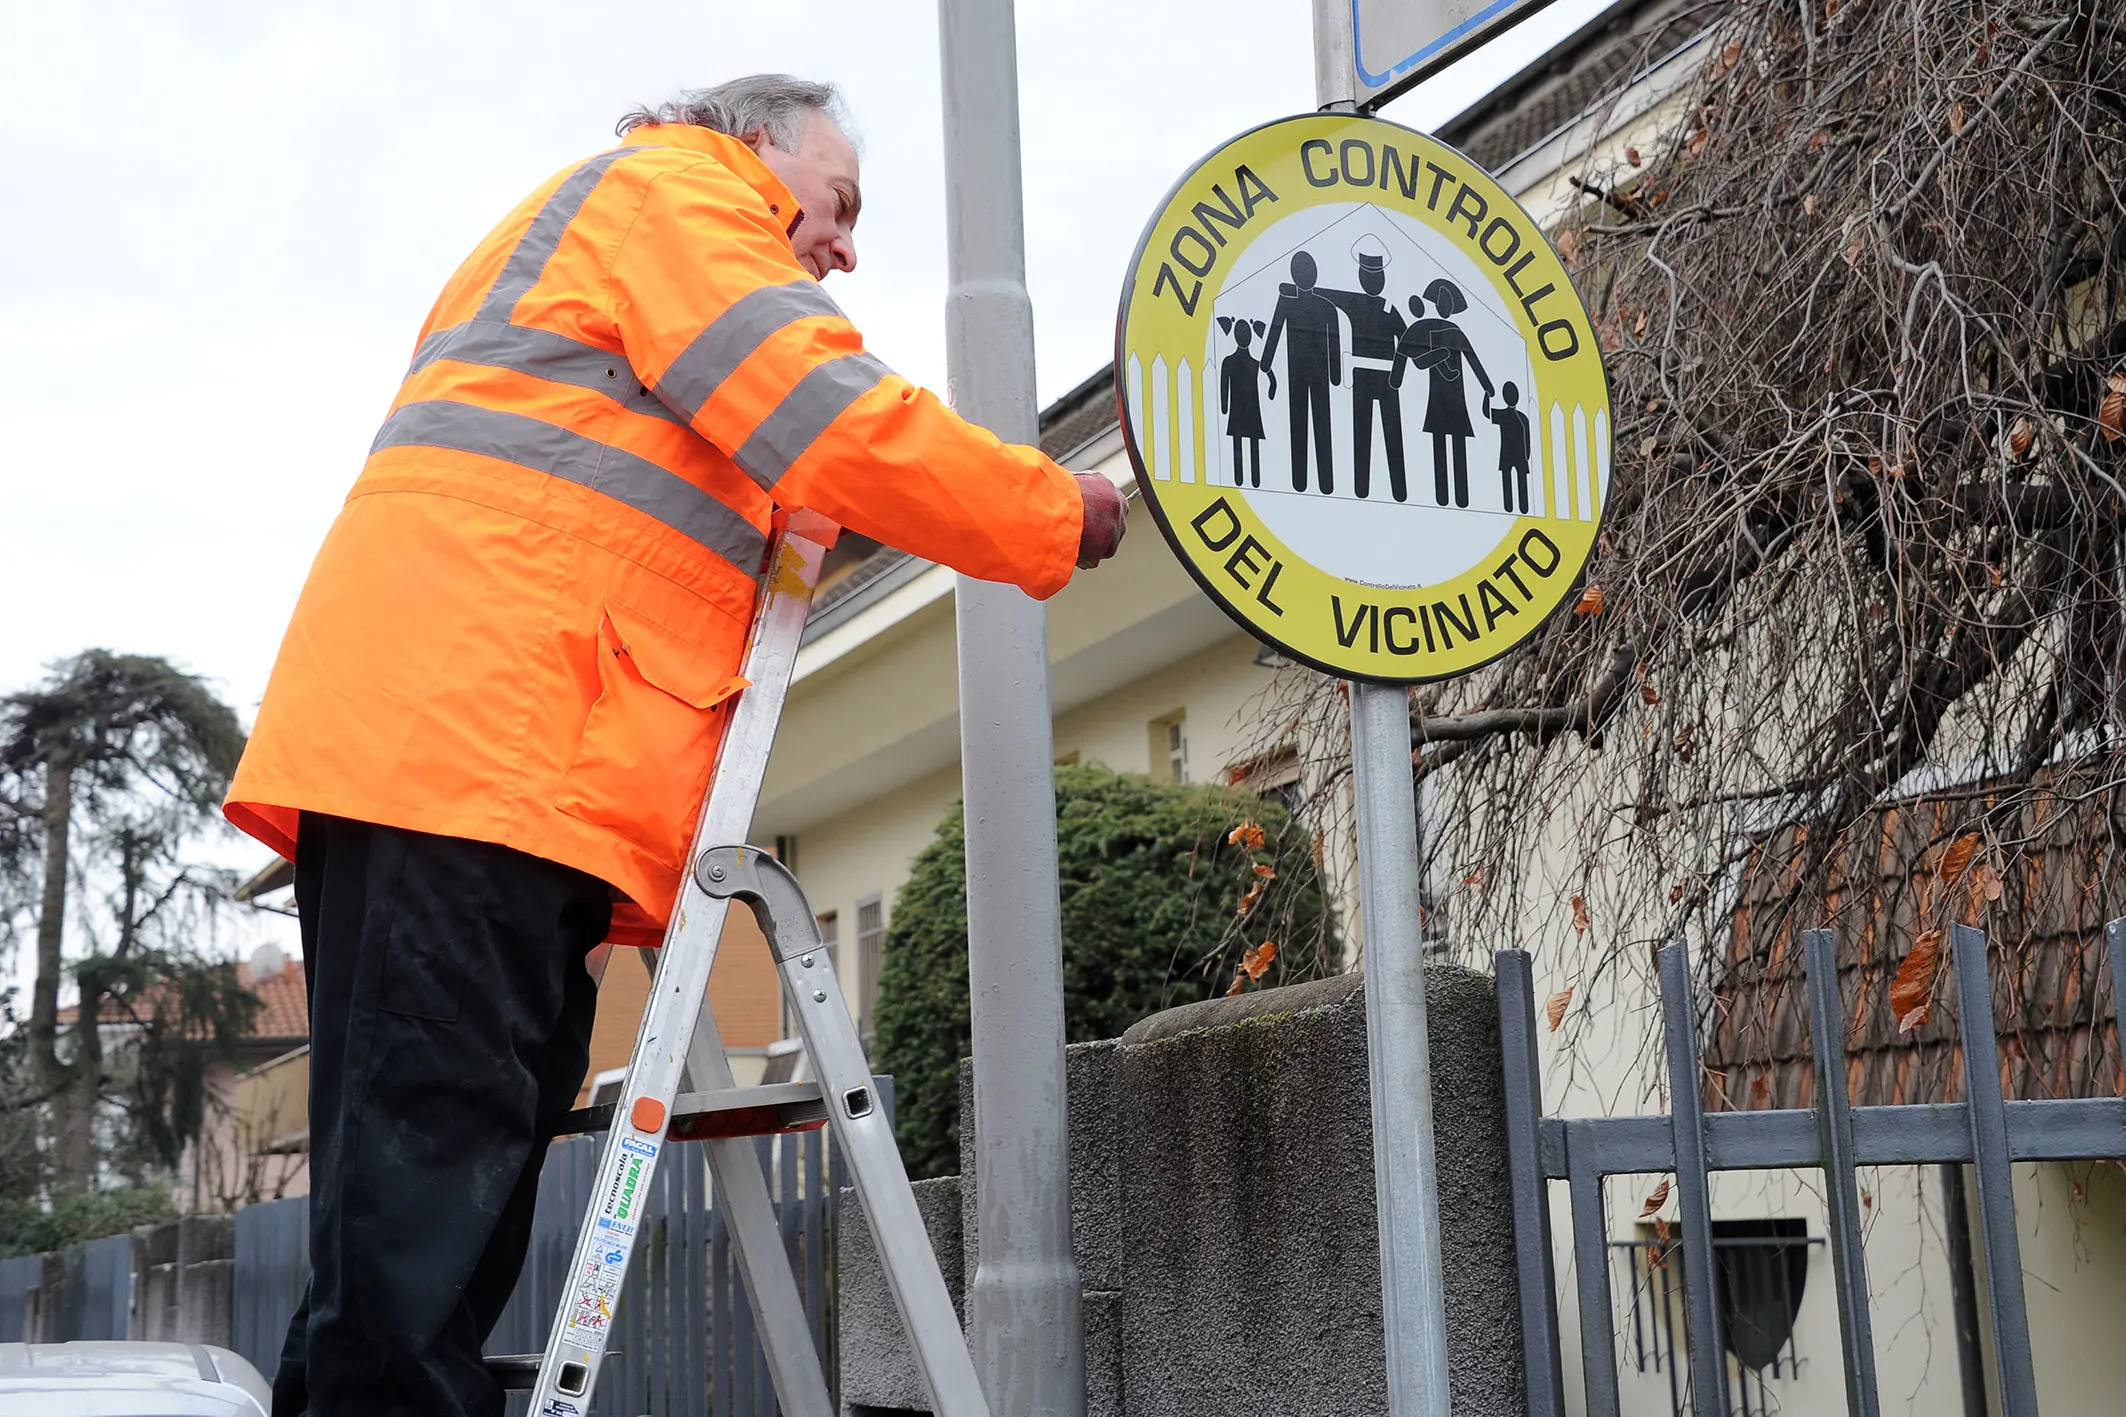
(496, 708)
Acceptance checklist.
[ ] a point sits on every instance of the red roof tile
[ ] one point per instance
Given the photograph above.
(284, 1005)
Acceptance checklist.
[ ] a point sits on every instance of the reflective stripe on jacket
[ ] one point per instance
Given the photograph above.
(524, 621)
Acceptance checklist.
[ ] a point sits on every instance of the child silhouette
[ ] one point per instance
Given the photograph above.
(1238, 398)
(1513, 447)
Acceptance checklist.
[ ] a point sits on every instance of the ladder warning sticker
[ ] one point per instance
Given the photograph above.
(557, 1407)
(1364, 403)
(597, 1292)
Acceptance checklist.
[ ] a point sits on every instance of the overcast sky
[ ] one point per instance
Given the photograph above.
(227, 220)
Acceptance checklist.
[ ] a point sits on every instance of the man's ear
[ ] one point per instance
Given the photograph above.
(756, 140)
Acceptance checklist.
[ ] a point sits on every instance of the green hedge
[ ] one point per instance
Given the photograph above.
(27, 1228)
(1151, 887)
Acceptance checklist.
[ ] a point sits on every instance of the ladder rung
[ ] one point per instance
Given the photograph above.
(519, 1372)
(726, 1112)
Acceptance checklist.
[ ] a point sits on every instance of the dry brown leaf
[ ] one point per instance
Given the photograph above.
(1817, 139)
(1257, 961)
(1649, 695)
(1956, 119)
(1267, 873)
(1957, 858)
(2021, 438)
(1638, 328)
(1731, 55)
(1912, 991)
(1986, 881)
(1631, 155)
(1579, 915)
(1554, 1008)
(1808, 205)
(1760, 1093)
(1239, 984)
(1475, 878)
(2111, 414)
(1661, 1234)
(1568, 244)
(1590, 601)
(1867, 1199)
(1993, 574)
(1698, 141)
(1854, 247)
(1655, 1199)
(1247, 834)
(1248, 898)
(1686, 742)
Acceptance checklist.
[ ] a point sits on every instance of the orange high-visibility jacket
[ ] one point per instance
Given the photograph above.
(522, 623)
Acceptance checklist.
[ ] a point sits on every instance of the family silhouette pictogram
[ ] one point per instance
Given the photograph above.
(1384, 348)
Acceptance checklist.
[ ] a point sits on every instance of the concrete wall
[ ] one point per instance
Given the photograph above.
(173, 1282)
(1222, 1198)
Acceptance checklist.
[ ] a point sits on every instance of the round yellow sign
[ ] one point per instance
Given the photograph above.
(1363, 399)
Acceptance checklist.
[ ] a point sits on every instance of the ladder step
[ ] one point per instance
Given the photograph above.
(518, 1372)
(726, 1112)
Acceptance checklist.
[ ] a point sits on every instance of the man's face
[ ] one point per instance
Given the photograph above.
(822, 175)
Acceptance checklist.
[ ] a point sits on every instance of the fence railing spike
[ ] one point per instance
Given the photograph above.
(1834, 1124)
(1686, 1109)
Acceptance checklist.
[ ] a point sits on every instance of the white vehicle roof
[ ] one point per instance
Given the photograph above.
(128, 1380)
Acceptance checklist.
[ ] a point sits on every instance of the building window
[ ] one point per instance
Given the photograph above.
(786, 851)
(606, 1087)
(1169, 747)
(1274, 775)
(1763, 1270)
(870, 955)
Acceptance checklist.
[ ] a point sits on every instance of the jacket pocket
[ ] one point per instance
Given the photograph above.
(650, 741)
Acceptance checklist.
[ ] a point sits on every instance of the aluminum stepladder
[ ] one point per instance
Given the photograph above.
(680, 1086)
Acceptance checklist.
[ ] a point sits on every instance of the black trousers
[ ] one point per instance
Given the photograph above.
(450, 1025)
(1368, 388)
(1310, 397)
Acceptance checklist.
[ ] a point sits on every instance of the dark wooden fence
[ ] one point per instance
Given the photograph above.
(683, 1340)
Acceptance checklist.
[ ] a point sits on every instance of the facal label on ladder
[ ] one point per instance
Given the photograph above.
(597, 1290)
(624, 1194)
(560, 1407)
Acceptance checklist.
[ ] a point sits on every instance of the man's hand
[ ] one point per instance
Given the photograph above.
(1106, 518)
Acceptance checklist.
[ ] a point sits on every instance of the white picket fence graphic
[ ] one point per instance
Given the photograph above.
(1170, 416)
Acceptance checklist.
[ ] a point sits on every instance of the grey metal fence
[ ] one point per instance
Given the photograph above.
(272, 1269)
(18, 1277)
(1986, 1132)
(683, 1342)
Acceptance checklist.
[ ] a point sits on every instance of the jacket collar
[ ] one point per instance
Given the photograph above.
(729, 151)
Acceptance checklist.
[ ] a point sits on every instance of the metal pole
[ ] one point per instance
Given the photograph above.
(1405, 1175)
(1023, 1309)
(1413, 1312)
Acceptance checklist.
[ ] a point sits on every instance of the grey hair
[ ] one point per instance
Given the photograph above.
(772, 103)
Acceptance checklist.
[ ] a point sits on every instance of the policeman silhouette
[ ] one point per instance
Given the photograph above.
(1313, 361)
(1376, 366)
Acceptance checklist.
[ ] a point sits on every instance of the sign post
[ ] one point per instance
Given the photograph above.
(1393, 44)
(1368, 412)
(1023, 1307)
